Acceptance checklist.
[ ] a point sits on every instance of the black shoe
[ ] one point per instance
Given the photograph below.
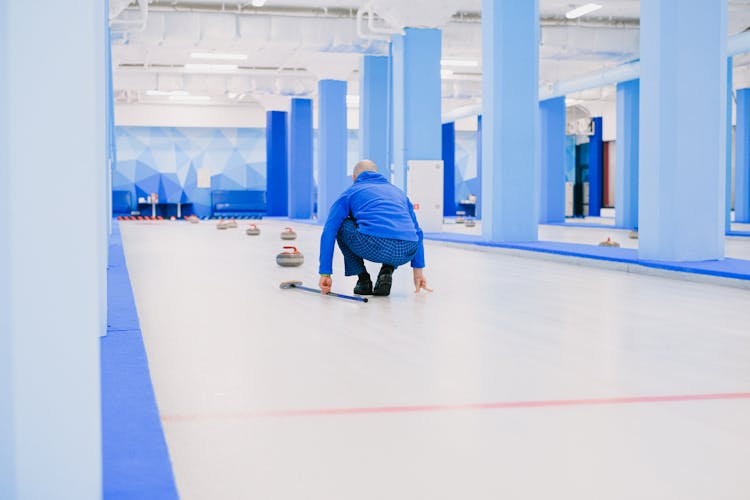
(364, 285)
(385, 279)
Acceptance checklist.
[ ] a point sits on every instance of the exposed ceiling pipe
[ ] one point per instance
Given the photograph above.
(368, 36)
(736, 44)
(374, 32)
(122, 25)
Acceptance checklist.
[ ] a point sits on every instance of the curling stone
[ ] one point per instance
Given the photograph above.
(291, 258)
(609, 243)
(232, 224)
(193, 219)
(460, 217)
(470, 223)
(288, 234)
(252, 230)
(222, 224)
(633, 235)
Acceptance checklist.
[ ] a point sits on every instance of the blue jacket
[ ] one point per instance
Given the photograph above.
(380, 209)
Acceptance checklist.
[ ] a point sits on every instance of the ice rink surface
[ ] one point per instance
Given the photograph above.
(503, 383)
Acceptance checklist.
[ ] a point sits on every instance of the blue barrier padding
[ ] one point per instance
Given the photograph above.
(738, 233)
(584, 224)
(726, 268)
(135, 459)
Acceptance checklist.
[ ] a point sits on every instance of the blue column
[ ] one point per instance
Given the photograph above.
(682, 165)
(728, 183)
(626, 172)
(510, 120)
(52, 150)
(742, 159)
(449, 169)
(301, 159)
(596, 168)
(478, 194)
(417, 99)
(552, 195)
(374, 82)
(332, 138)
(277, 167)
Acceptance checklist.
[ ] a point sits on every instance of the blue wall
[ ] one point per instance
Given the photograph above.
(167, 159)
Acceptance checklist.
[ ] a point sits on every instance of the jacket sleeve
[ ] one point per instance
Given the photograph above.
(339, 212)
(418, 260)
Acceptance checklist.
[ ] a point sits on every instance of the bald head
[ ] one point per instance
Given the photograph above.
(364, 166)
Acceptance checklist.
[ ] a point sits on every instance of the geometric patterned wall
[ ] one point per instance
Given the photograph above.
(467, 181)
(166, 160)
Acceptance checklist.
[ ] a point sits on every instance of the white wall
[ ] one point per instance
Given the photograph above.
(176, 115)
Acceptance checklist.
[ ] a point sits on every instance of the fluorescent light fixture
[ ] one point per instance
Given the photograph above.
(467, 63)
(167, 93)
(582, 10)
(258, 3)
(352, 101)
(211, 68)
(219, 56)
(190, 98)
(446, 73)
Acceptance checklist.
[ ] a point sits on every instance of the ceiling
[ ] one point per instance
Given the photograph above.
(287, 45)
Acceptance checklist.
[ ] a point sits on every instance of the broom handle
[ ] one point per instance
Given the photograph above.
(333, 294)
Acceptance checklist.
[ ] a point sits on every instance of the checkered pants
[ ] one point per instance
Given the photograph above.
(358, 247)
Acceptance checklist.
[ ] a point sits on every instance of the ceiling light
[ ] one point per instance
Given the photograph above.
(190, 98)
(211, 68)
(219, 56)
(259, 3)
(458, 62)
(446, 73)
(582, 10)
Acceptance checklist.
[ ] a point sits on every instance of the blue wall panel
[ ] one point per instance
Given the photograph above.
(166, 160)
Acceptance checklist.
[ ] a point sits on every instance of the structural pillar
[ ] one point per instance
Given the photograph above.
(683, 119)
(552, 194)
(51, 295)
(596, 168)
(374, 107)
(626, 176)
(742, 158)
(417, 99)
(332, 139)
(510, 119)
(277, 167)
(478, 194)
(301, 159)
(728, 183)
(449, 169)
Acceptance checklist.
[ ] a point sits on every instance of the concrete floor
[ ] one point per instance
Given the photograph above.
(488, 388)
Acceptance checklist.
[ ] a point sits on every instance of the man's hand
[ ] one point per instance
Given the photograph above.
(420, 282)
(325, 284)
